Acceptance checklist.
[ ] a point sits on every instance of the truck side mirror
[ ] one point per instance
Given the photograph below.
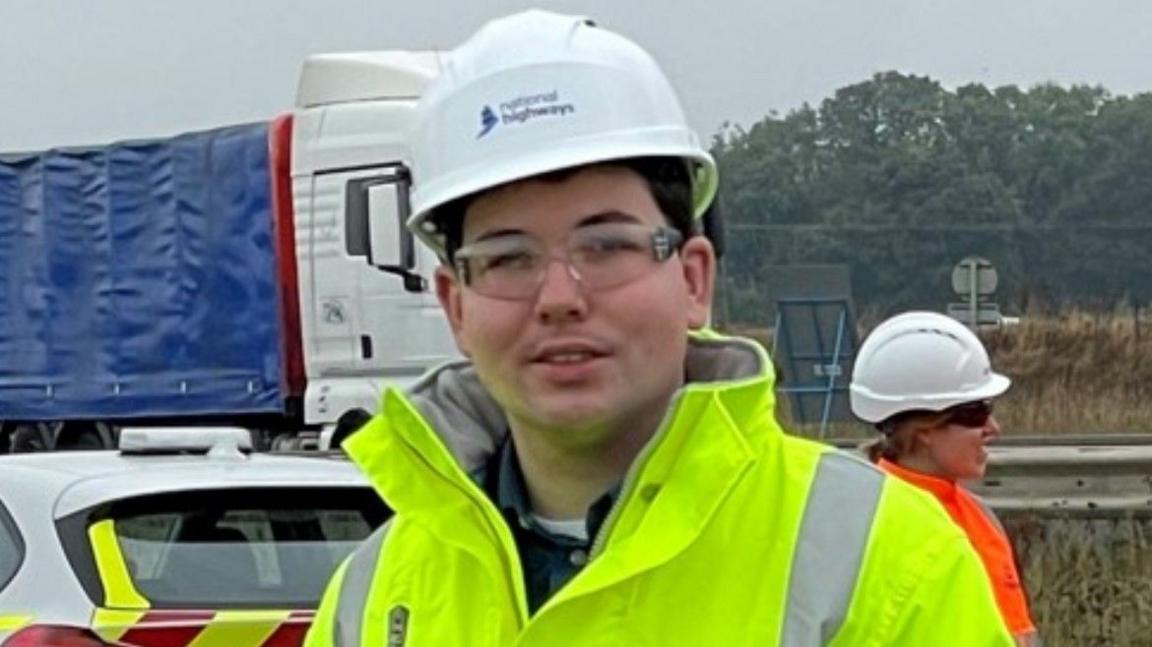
(376, 210)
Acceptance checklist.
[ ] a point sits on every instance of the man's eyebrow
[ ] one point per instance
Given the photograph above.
(601, 217)
(611, 215)
(498, 233)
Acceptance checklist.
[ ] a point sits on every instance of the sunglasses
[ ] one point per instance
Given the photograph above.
(969, 414)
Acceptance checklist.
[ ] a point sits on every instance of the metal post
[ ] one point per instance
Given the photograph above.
(833, 373)
(973, 297)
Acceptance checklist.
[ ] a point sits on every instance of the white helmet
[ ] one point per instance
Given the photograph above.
(920, 361)
(537, 92)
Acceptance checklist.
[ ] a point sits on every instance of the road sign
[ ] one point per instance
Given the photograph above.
(814, 346)
(985, 313)
(974, 275)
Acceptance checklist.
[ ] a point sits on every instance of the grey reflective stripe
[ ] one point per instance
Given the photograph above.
(830, 548)
(354, 589)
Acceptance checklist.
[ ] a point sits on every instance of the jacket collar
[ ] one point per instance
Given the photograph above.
(943, 488)
(448, 423)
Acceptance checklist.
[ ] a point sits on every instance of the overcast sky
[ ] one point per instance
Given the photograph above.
(89, 71)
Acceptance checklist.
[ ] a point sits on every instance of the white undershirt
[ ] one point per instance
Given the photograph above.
(573, 528)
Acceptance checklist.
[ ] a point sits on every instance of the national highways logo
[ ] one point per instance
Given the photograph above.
(523, 109)
(488, 121)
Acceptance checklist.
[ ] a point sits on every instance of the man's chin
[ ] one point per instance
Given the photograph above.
(580, 422)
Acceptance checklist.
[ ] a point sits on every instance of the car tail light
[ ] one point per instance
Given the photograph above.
(55, 636)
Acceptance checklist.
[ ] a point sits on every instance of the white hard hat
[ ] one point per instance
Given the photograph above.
(537, 92)
(920, 361)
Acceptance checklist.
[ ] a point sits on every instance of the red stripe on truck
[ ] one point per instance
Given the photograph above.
(284, 222)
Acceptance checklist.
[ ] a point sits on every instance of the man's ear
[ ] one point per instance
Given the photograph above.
(448, 293)
(699, 261)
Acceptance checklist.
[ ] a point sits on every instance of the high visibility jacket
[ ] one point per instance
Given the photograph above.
(987, 537)
(726, 532)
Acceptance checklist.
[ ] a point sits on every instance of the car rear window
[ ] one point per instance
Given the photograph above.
(273, 548)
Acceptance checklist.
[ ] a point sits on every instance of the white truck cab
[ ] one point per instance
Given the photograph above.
(368, 315)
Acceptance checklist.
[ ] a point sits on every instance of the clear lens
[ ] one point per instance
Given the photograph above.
(600, 256)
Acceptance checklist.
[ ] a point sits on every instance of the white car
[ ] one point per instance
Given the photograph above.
(179, 538)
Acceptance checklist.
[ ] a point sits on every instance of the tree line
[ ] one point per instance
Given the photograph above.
(899, 178)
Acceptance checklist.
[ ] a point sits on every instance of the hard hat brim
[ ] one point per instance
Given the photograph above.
(875, 407)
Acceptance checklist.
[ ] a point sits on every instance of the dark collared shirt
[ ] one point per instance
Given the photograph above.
(549, 560)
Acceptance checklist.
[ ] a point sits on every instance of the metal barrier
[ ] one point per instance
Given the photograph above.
(1070, 476)
(1079, 480)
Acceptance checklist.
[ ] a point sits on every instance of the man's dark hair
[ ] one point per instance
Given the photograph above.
(667, 179)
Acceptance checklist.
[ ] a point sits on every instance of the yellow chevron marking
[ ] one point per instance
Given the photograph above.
(240, 629)
(111, 624)
(12, 623)
(119, 589)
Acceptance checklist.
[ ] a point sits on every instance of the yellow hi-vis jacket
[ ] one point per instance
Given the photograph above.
(726, 532)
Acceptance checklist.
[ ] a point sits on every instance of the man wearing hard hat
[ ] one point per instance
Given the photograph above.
(592, 474)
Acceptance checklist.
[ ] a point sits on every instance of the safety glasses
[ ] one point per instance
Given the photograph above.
(600, 257)
(968, 414)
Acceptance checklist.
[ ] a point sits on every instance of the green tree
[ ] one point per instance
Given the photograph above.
(900, 178)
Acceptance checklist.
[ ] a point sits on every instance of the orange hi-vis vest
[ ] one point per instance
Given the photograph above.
(987, 537)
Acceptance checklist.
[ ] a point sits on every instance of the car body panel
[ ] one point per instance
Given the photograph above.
(43, 493)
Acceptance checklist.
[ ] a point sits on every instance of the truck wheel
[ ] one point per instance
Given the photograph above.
(31, 437)
(292, 442)
(82, 435)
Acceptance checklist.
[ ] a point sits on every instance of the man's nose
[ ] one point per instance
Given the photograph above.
(561, 294)
(992, 428)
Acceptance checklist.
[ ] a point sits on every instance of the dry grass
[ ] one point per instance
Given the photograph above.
(1076, 372)
(1089, 580)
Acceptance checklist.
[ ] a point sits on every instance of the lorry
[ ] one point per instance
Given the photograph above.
(257, 275)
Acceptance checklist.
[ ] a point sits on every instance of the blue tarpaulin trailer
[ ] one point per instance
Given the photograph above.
(139, 279)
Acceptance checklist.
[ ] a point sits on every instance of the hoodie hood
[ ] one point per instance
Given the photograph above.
(472, 425)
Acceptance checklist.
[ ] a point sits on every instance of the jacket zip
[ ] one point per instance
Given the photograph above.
(496, 524)
(630, 479)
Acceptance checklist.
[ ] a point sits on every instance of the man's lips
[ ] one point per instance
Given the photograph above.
(567, 352)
